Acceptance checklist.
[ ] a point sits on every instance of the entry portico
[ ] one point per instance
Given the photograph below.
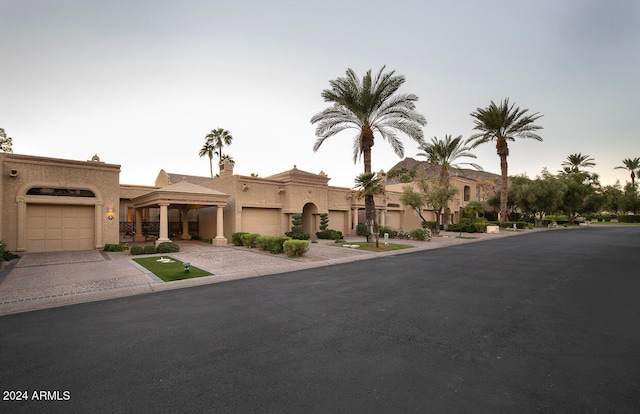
(184, 196)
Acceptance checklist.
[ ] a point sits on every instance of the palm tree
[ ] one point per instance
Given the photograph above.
(219, 137)
(367, 186)
(443, 153)
(631, 165)
(503, 123)
(574, 162)
(370, 106)
(208, 149)
(6, 143)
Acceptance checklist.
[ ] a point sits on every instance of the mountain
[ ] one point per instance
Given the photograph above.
(431, 171)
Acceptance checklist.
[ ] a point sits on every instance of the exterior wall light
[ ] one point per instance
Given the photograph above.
(111, 214)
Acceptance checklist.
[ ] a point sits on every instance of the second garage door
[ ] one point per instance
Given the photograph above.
(264, 221)
(60, 228)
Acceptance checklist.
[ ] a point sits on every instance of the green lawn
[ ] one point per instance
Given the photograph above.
(169, 272)
(372, 246)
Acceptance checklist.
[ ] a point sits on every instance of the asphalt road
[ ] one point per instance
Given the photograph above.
(543, 322)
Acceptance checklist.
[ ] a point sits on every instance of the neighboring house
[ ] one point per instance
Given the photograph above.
(52, 204)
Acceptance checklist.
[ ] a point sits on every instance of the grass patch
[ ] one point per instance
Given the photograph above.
(372, 246)
(169, 272)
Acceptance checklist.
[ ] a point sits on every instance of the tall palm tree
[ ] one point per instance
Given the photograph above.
(367, 186)
(444, 153)
(208, 149)
(503, 123)
(371, 107)
(631, 164)
(219, 137)
(574, 162)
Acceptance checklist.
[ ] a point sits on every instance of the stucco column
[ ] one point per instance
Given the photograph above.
(185, 224)
(220, 240)
(138, 236)
(383, 217)
(99, 209)
(22, 229)
(164, 224)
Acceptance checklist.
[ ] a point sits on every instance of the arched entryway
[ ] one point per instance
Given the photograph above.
(309, 215)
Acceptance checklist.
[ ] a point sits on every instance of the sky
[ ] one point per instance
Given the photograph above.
(141, 83)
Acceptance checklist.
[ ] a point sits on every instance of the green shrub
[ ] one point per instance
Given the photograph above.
(167, 247)
(324, 221)
(249, 239)
(136, 250)
(421, 234)
(296, 248)
(519, 224)
(480, 227)
(236, 238)
(272, 244)
(384, 229)
(329, 234)
(465, 225)
(115, 247)
(361, 229)
(150, 249)
(629, 218)
(297, 235)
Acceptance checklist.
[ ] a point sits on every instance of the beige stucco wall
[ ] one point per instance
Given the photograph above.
(22, 172)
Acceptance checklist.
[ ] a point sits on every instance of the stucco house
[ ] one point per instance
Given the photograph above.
(50, 204)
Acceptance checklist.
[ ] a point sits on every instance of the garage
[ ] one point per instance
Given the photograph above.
(264, 221)
(60, 227)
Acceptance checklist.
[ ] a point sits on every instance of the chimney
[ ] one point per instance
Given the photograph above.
(226, 168)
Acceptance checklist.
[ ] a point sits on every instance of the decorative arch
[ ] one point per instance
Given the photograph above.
(309, 218)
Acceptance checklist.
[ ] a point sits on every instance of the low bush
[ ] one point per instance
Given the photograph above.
(150, 249)
(384, 229)
(272, 244)
(421, 234)
(629, 218)
(297, 235)
(329, 234)
(480, 227)
(236, 238)
(429, 225)
(168, 247)
(296, 248)
(115, 247)
(519, 224)
(465, 225)
(249, 239)
(136, 250)
(361, 229)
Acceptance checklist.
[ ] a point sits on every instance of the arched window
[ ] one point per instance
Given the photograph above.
(60, 192)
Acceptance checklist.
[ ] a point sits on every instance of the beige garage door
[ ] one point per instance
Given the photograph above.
(58, 228)
(338, 221)
(264, 221)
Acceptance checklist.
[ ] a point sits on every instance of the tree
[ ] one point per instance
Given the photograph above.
(631, 164)
(444, 153)
(438, 194)
(6, 143)
(413, 199)
(367, 186)
(503, 123)
(208, 149)
(574, 162)
(219, 137)
(372, 107)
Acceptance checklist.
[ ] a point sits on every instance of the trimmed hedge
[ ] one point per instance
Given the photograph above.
(136, 250)
(236, 238)
(296, 248)
(150, 249)
(629, 218)
(167, 247)
(115, 247)
(249, 239)
(329, 234)
(272, 244)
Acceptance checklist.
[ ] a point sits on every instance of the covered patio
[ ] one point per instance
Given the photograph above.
(183, 196)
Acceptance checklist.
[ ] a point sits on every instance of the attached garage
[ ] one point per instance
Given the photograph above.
(338, 221)
(60, 227)
(264, 221)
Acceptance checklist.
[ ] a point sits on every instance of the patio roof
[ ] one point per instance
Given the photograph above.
(182, 194)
